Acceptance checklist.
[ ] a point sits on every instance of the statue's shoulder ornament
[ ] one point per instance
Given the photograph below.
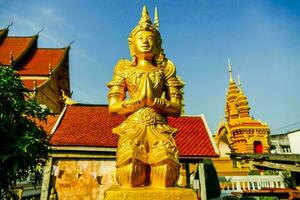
(170, 74)
(119, 73)
(121, 67)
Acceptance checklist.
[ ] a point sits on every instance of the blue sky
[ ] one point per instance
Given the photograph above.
(261, 38)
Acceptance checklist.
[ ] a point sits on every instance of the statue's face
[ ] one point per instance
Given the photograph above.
(145, 43)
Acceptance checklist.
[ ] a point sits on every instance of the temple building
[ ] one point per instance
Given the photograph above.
(44, 71)
(84, 148)
(83, 161)
(239, 133)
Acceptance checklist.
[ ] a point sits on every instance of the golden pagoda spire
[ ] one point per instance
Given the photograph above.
(230, 71)
(240, 85)
(156, 20)
(231, 96)
(242, 102)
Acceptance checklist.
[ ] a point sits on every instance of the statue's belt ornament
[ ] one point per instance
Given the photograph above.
(147, 117)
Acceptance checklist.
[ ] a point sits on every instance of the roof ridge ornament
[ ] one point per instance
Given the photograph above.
(34, 87)
(41, 30)
(70, 43)
(9, 25)
(66, 99)
(50, 69)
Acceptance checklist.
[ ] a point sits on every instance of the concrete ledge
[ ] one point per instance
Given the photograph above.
(149, 193)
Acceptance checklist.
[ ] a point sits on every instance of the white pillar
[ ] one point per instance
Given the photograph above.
(227, 185)
(202, 181)
(238, 186)
(248, 185)
(46, 179)
(233, 185)
(259, 185)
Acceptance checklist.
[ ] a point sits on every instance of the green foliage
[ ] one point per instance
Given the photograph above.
(268, 198)
(254, 172)
(287, 178)
(23, 145)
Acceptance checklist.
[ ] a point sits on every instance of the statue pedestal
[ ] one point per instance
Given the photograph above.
(149, 193)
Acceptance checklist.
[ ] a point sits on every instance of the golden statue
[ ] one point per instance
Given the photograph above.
(147, 153)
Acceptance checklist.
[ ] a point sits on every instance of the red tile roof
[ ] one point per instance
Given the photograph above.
(91, 125)
(29, 84)
(38, 62)
(193, 137)
(49, 124)
(16, 45)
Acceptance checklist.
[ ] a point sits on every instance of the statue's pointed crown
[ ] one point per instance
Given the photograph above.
(145, 24)
(145, 19)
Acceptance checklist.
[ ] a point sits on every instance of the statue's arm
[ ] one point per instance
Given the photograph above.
(118, 106)
(172, 103)
(117, 102)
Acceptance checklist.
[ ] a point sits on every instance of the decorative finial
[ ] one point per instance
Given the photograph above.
(230, 71)
(41, 30)
(70, 43)
(50, 69)
(9, 25)
(67, 100)
(11, 58)
(239, 84)
(34, 87)
(156, 20)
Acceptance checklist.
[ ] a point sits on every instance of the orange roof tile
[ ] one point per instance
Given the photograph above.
(49, 124)
(29, 84)
(192, 138)
(16, 45)
(91, 125)
(38, 62)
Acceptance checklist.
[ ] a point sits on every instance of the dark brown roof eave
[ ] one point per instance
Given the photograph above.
(3, 34)
(26, 51)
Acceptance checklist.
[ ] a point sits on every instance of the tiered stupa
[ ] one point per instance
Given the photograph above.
(240, 131)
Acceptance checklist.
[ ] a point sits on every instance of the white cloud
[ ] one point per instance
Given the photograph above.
(35, 28)
(87, 57)
(53, 16)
